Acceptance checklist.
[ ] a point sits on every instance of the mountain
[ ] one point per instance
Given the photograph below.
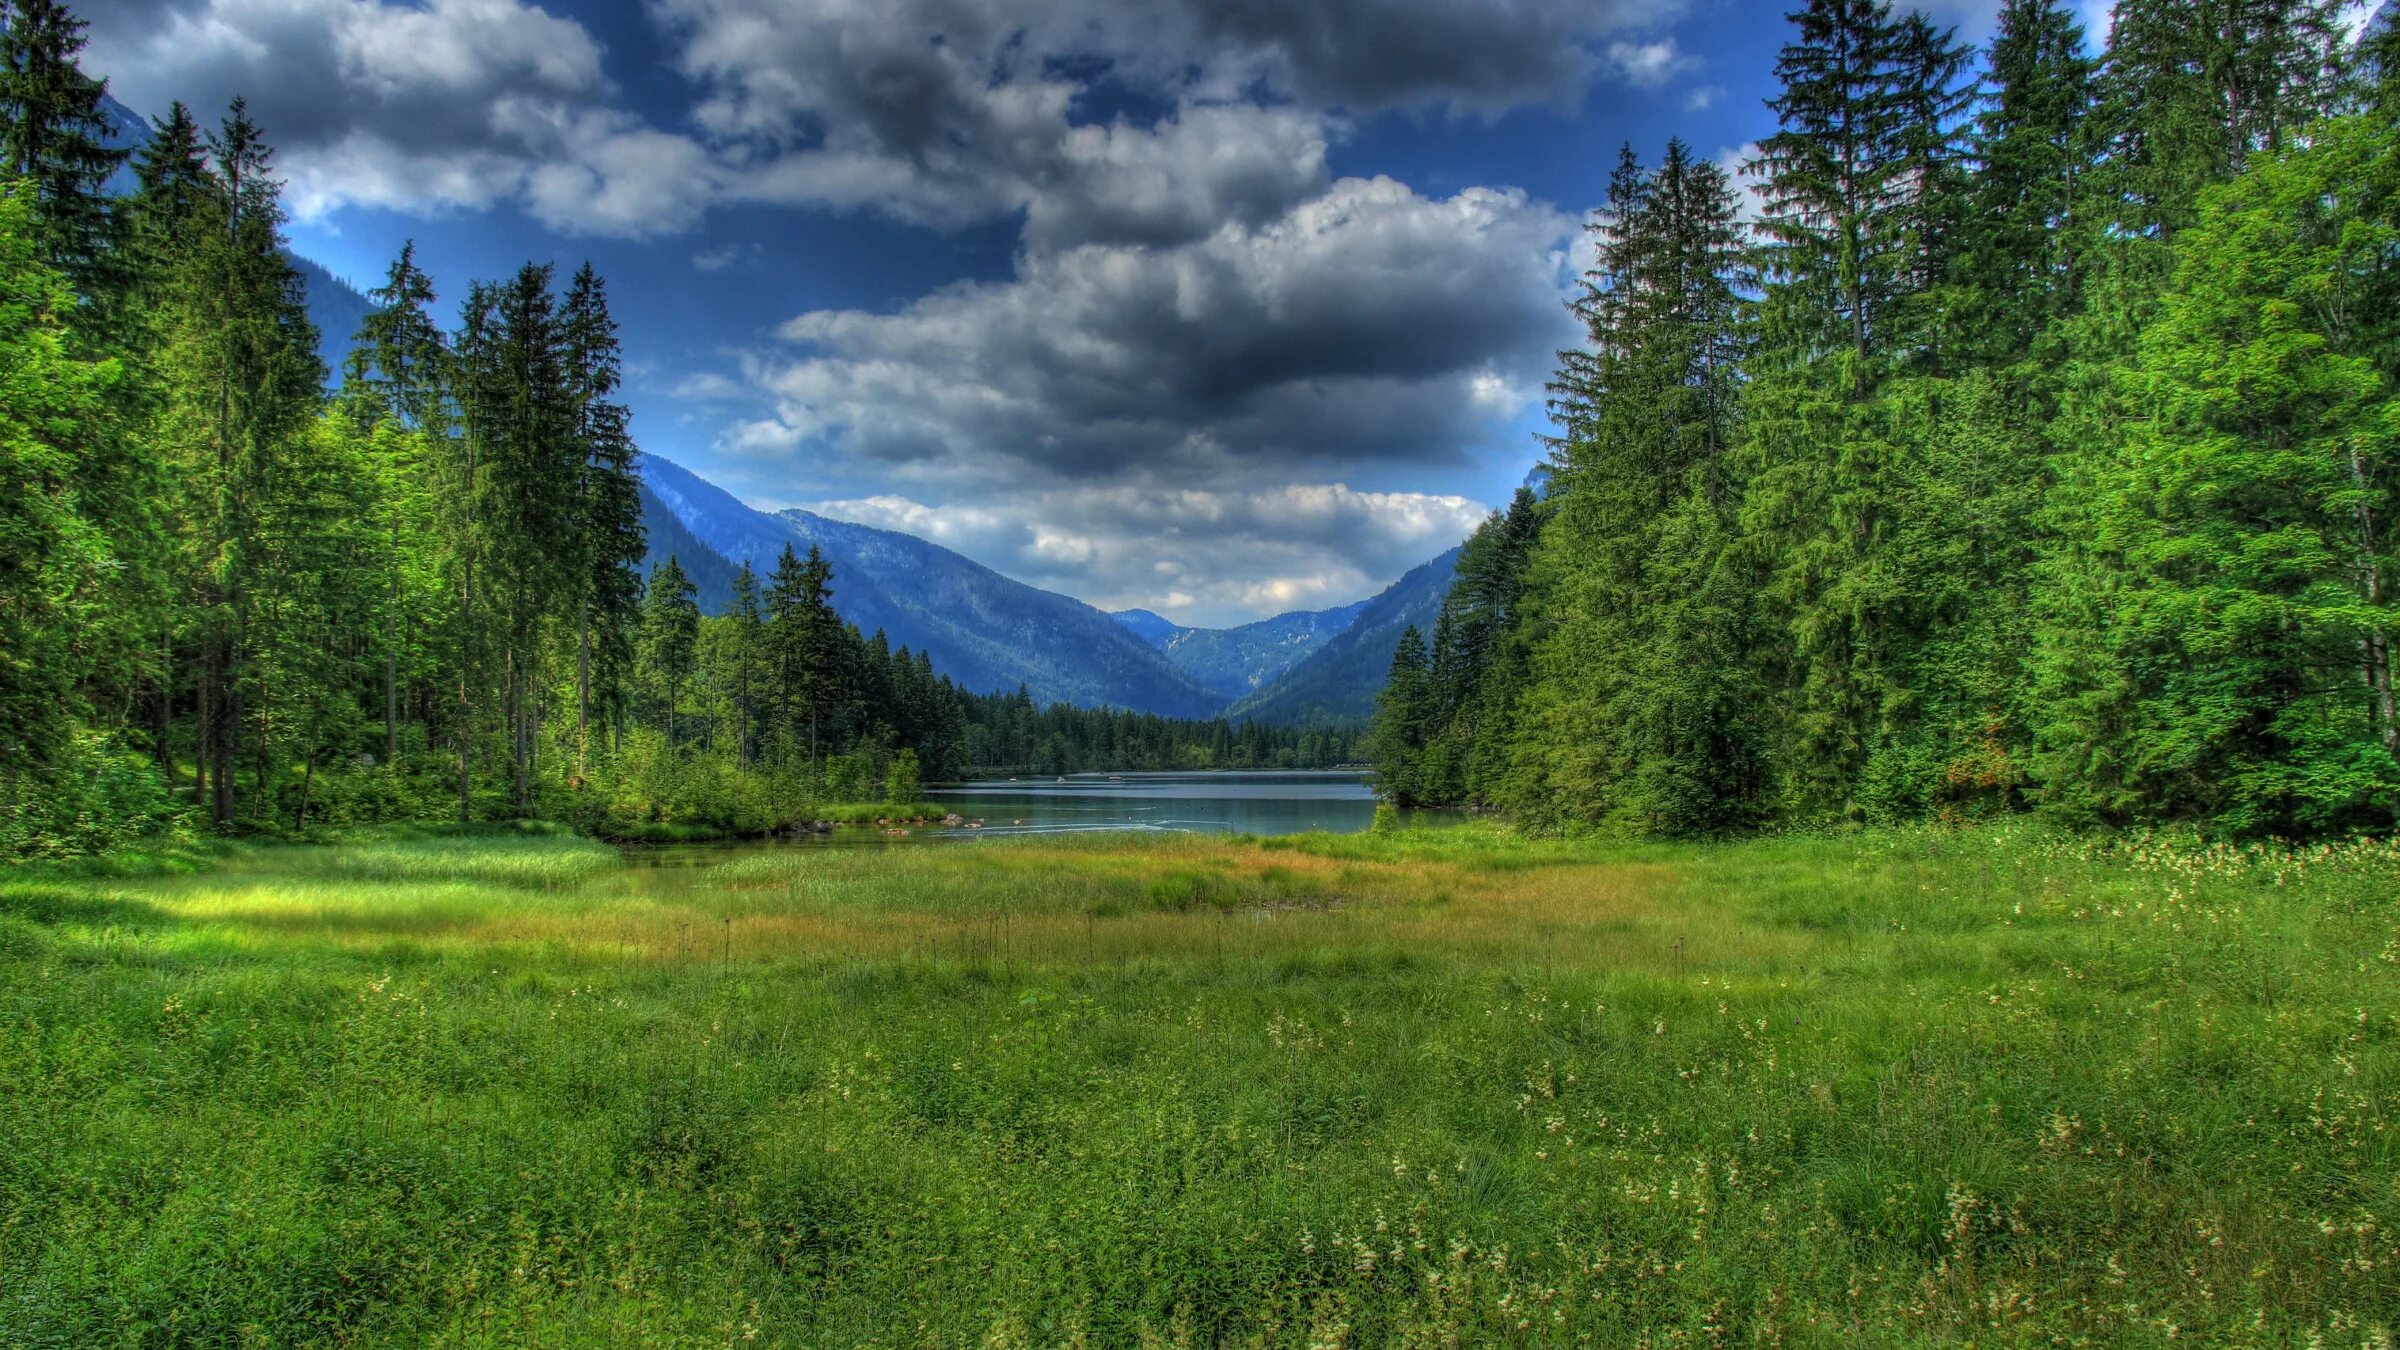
(1236, 662)
(334, 306)
(1151, 628)
(711, 574)
(1338, 682)
(982, 629)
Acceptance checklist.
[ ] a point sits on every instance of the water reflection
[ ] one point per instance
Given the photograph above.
(1236, 803)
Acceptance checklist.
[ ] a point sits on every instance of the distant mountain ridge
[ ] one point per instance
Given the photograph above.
(1236, 662)
(1154, 629)
(985, 631)
(1338, 682)
(992, 634)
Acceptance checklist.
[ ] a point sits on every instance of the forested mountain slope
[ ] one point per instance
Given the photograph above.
(985, 631)
(1237, 662)
(1339, 681)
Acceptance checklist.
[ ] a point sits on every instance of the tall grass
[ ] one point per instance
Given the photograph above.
(1423, 1087)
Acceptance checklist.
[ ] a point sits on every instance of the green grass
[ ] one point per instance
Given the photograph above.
(876, 813)
(1425, 1088)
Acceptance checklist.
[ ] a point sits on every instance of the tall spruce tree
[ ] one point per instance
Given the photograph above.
(807, 638)
(1402, 711)
(241, 379)
(54, 134)
(534, 467)
(608, 519)
(2242, 670)
(2033, 145)
(670, 636)
(2190, 94)
(1635, 631)
(1847, 263)
(54, 559)
(747, 660)
(398, 379)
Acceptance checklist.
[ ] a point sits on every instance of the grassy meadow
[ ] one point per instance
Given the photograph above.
(1439, 1087)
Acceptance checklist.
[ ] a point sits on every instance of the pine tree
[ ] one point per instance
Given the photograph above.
(240, 381)
(54, 560)
(806, 635)
(2245, 529)
(670, 635)
(608, 497)
(2189, 96)
(54, 134)
(2191, 89)
(398, 356)
(1626, 568)
(2032, 149)
(397, 378)
(534, 466)
(747, 656)
(1847, 263)
(466, 483)
(1401, 711)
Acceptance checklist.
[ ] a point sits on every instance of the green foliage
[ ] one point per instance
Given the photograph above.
(2243, 529)
(900, 783)
(2053, 464)
(90, 797)
(54, 136)
(55, 557)
(1636, 616)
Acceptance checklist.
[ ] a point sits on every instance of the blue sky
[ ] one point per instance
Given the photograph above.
(1217, 307)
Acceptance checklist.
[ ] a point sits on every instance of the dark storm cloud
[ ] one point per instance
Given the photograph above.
(1369, 323)
(948, 110)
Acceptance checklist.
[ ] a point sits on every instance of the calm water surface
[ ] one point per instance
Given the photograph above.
(1237, 803)
(1242, 803)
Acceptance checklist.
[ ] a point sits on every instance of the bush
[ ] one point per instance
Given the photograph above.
(902, 785)
(97, 796)
(646, 790)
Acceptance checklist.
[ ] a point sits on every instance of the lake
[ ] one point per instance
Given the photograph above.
(1231, 803)
(1238, 803)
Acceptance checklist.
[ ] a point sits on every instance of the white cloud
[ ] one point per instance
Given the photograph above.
(451, 103)
(1229, 557)
(1749, 184)
(1647, 65)
(708, 386)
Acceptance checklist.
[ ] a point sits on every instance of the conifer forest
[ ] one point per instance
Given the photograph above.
(2024, 441)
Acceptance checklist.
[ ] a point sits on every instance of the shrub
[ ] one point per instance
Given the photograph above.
(96, 796)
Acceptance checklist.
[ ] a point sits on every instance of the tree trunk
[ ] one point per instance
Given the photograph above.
(2377, 643)
(221, 736)
(203, 729)
(583, 688)
(391, 667)
(466, 700)
(517, 739)
(162, 732)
